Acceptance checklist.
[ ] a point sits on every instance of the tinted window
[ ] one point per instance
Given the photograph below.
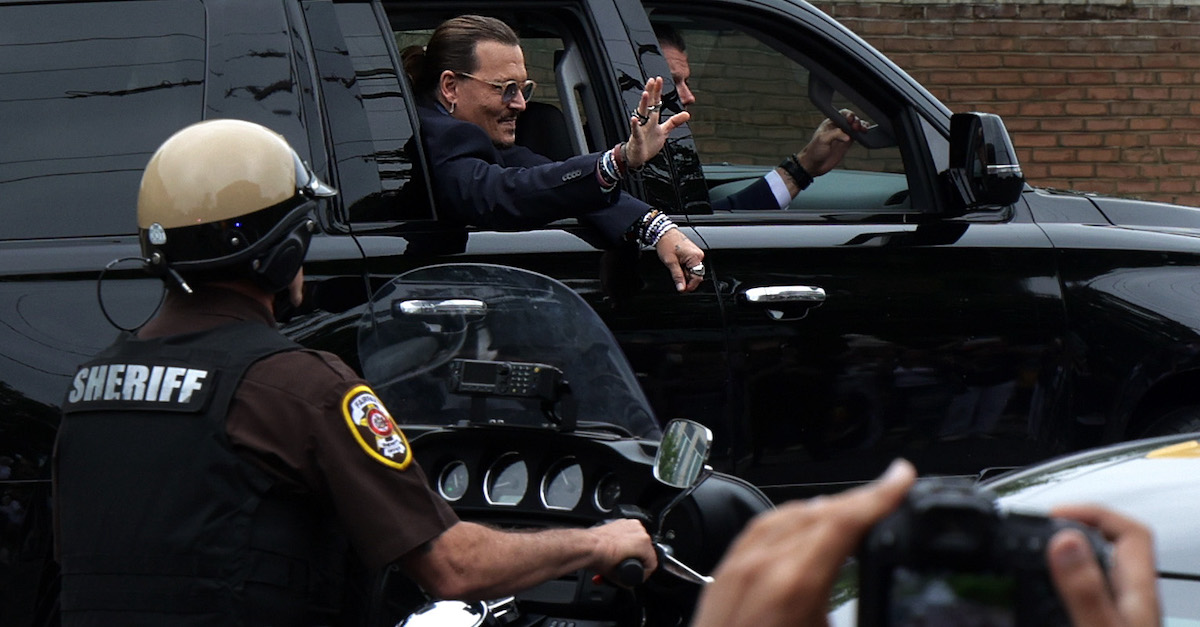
(87, 93)
(753, 109)
(376, 88)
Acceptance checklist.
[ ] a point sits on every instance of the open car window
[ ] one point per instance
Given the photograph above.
(759, 99)
(555, 123)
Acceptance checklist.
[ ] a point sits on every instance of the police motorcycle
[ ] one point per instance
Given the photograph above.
(523, 411)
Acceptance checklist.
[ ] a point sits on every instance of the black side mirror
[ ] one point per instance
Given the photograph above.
(983, 164)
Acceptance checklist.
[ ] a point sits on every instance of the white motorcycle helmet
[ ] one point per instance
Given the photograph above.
(226, 199)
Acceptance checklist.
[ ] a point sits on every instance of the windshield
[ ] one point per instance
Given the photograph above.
(463, 343)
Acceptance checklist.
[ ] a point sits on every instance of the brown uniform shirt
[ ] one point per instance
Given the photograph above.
(289, 415)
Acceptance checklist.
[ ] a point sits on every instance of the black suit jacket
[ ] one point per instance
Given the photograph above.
(513, 189)
(757, 197)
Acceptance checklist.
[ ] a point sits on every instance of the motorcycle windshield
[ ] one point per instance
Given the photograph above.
(422, 325)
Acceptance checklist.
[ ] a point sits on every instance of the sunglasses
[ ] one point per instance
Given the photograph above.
(508, 89)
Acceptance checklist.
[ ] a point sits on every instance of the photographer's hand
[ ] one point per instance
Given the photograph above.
(1133, 601)
(781, 569)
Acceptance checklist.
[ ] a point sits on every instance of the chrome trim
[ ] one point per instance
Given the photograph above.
(442, 478)
(447, 306)
(596, 492)
(555, 469)
(487, 478)
(785, 294)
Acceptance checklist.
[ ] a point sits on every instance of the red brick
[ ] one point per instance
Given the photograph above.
(1149, 124)
(1120, 171)
(1073, 170)
(1087, 108)
(1065, 124)
(1098, 186)
(1158, 170)
(1094, 155)
(1035, 140)
(1125, 62)
(1136, 186)
(1169, 108)
(1184, 123)
(1054, 155)
(1140, 155)
(1176, 186)
(1081, 139)
(1149, 93)
(1042, 109)
(1094, 125)
(1033, 171)
(1091, 78)
(1124, 140)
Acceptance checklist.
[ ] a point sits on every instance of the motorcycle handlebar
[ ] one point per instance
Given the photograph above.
(630, 572)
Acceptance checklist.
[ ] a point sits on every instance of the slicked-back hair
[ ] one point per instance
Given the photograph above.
(668, 37)
(452, 47)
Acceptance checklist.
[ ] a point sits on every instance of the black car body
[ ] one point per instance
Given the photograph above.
(907, 304)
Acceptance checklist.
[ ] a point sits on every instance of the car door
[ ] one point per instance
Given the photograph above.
(588, 76)
(870, 318)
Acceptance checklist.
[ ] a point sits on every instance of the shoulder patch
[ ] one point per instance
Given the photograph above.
(374, 428)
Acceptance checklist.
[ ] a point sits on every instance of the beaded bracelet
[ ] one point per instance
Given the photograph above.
(609, 169)
(653, 226)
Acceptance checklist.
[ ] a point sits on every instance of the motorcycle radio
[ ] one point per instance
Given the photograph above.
(505, 378)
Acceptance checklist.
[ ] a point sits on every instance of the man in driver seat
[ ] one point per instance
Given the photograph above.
(795, 173)
(209, 471)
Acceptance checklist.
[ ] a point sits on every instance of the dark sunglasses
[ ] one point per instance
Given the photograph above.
(508, 89)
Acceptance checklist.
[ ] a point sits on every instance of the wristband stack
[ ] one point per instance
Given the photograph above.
(653, 226)
(792, 166)
(611, 167)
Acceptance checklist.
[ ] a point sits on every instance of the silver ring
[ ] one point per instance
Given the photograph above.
(697, 270)
(654, 107)
(642, 118)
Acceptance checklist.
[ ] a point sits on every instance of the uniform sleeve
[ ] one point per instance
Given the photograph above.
(308, 418)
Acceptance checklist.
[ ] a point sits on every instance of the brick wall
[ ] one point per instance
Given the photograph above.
(1099, 97)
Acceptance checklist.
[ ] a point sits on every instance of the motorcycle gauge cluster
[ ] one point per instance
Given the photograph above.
(507, 483)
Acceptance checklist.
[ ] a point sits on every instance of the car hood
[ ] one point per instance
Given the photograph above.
(1150, 215)
(1151, 480)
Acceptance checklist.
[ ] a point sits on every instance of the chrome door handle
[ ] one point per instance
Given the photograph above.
(776, 294)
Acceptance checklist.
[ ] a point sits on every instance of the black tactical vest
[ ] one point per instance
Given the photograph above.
(160, 522)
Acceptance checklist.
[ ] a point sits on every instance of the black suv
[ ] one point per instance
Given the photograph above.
(919, 301)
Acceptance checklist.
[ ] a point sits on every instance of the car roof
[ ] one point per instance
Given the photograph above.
(1152, 480)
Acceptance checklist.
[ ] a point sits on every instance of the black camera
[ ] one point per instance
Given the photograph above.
(948, 556)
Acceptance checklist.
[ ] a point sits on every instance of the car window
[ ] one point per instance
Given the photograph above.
(87, 113)
(559, 128)
(754, 107)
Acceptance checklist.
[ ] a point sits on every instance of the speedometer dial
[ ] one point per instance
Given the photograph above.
(506, 481)
(453, 482)
(563, 485)
(608, 493)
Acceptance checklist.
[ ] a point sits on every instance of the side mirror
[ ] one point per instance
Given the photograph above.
(983, 163)
(682, 453)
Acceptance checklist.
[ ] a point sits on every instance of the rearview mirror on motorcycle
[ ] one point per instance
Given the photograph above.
(682, 453)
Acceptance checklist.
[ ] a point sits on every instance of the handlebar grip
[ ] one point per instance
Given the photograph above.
(630, 572)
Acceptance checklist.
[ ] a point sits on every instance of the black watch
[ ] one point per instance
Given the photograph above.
(792, 166)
